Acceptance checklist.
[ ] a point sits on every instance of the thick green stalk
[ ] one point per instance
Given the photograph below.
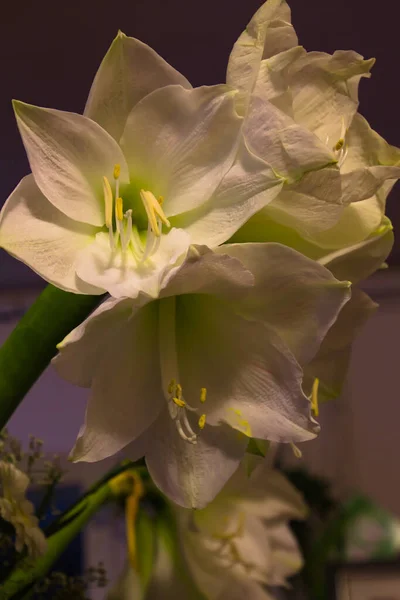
(32, 344)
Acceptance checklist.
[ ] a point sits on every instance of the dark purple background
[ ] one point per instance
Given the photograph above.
(50, 51)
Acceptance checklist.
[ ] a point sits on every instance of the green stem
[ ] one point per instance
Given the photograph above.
(21, 581)
(30, 347)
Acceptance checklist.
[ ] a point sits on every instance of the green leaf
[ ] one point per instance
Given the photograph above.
(30, 347)
(258, 447)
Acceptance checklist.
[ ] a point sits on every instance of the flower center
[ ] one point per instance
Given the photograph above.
(121, 226)
(180, 411)
(228, 545)
(340, 149)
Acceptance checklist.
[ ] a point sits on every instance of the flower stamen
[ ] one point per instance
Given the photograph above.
(108, 205)
(154, 212)
(178, 409)
(340, 149)
(296, 451)
(125, 229)
(116, 175)
(314, 397)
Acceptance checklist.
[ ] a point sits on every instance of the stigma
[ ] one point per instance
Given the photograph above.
(179, 409)
(122, 230)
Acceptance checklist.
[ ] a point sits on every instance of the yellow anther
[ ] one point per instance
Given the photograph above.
(314, 397)
(154, 211)
(203, 394)
(160, 200)
(339, 145)
(171, 386)
(178, 390)
(202, 421)
(108, 201)
(117, 171)
(119, 209)
(179, 402)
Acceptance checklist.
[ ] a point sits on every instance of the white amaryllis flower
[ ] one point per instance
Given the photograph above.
(17, 510)
(319, 93)
(216, 359)
(235, 548)
(241, 542)
(111, 190)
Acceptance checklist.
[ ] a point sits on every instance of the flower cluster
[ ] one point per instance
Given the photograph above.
(227, 225)
(18, 470)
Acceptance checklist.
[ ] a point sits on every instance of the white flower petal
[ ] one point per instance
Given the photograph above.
(266, 493)
(263, 228)
(253, 381)
(180, 143)
(357, 221)
(69, 154)
(268, 33)
(192, 474)
(293, 295)
(358, 261)
(310, 206)
(332, 361)
(324, 90)
(289, 148)
(363, 183)
(273, 79)
(81, 349)
(286, 558)
(15, 480)
(248, 186)
(205, 272)
(35, 541)
(129, 71)
(366, 148)
(126, 395)
(37, 233)
(121, 274)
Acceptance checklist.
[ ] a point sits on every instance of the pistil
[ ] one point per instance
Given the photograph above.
(178, 407)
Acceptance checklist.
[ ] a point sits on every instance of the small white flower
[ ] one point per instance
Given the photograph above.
(17, 510)
(235, 548)
(241, 541)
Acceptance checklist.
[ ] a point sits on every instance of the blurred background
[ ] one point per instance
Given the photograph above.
(49, 54)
